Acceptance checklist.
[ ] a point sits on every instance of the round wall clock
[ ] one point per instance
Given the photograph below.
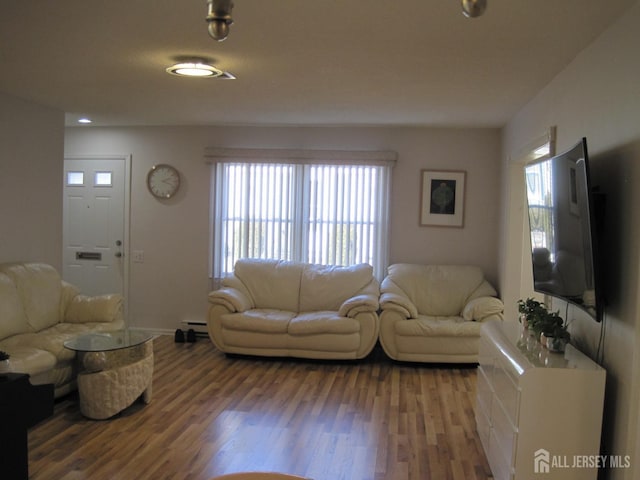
(163, 181)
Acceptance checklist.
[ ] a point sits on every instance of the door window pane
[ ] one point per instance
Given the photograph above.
(103, 179)
(75, 179)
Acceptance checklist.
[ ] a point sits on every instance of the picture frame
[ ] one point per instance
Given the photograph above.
(442, 198)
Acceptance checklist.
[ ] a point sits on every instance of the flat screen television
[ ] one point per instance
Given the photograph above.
(563, 216)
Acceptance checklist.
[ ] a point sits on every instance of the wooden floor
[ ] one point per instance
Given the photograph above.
(212, 414)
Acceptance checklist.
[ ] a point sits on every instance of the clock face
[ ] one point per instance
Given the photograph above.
(163, 181)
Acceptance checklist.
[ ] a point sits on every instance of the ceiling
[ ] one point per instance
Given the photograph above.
(297, 62)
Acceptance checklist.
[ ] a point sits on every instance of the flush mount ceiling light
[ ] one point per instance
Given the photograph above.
(194, 69)
(219, 18)
(473, 8)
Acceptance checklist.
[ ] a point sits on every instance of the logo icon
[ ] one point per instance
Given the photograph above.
(541, 461)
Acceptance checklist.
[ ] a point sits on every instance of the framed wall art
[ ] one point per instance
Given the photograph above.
(442, 198)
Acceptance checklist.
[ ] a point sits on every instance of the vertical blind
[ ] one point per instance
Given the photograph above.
(300, 210)
(539, 182)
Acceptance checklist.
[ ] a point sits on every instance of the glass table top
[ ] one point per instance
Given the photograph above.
(105, 341)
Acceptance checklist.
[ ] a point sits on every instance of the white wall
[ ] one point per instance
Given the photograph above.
(598, 96)
(31, 153)
(172, 283)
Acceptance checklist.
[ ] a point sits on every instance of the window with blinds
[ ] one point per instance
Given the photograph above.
(539, 182)
(300, 209)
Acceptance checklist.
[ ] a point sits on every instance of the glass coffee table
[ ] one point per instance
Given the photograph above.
(116, 368)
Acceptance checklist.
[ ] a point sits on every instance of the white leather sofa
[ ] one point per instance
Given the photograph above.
(433, 313)
(39, 312)
(289, 309)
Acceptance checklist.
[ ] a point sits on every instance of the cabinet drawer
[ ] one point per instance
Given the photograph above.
(500, 468)
(483, 426)
(506, 391)
(484, 392)
(504, 432)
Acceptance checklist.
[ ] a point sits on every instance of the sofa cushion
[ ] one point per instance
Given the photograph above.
(258, 320)
(48, 340)
(12, 316)
(312, 323)
(437, 290)
(33, 361)
(100, 308)
(39, 288)
(326, 287)
(428, 326)
(272, 284)
(89, 327)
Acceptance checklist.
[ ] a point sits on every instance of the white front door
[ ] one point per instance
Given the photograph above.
(94, 224)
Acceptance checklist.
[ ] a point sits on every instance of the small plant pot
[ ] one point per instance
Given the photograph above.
(555, 344)
(543, 340)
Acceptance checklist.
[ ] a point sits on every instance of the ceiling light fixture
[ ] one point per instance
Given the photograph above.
(85, 120)
(473, 8)
(219, 18)
(194, 69)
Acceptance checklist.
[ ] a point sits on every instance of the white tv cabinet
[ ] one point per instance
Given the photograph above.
(538, 414)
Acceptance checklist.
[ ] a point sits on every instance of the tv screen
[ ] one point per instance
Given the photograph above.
(562, 223)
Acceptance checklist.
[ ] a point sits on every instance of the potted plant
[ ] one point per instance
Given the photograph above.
(558, 338)
(547, 325)
(530, 311)
(552, 331)
(4, 361)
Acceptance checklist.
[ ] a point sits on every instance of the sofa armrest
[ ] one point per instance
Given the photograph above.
(99, 308)
(231, 298)
(399, 303)
(483, 308)
(357, 304)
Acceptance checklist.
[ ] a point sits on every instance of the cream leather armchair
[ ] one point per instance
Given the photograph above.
(433, 313)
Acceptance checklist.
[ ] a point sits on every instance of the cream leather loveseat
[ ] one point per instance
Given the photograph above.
(433, 313)
(278, 308)
(39, 312)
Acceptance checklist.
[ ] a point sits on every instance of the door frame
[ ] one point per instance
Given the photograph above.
(126, 219)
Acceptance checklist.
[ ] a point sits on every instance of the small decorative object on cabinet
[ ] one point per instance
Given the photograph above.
(537, 411)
